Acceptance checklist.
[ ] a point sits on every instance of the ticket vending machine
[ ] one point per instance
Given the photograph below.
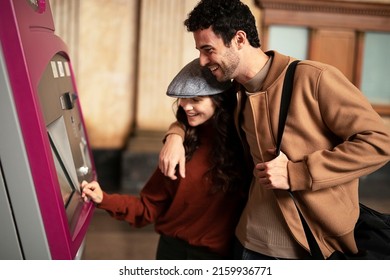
(44, 151)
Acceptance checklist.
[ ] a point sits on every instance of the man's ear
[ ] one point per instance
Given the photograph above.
(240, 38)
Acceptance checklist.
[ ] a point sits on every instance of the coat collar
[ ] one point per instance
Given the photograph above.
(278, 66)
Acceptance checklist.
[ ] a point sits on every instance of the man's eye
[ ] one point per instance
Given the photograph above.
(207, 50)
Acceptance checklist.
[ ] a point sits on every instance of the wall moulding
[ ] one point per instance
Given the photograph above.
(330, 13)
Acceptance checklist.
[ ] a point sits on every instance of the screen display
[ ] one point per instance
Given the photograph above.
(66, 186)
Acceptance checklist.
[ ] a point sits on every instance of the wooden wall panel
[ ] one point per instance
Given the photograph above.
(335, 47)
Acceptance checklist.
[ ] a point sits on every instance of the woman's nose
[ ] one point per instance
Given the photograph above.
(185, 104)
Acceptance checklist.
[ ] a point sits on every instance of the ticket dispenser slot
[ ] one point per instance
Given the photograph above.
(67, 101)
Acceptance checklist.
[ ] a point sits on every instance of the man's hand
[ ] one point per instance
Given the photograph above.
(171, 155)
(273, 174)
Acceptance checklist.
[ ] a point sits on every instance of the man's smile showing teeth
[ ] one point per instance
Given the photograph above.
(213, 68)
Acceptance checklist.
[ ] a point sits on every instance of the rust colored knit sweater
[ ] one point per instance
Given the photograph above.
(183, 208)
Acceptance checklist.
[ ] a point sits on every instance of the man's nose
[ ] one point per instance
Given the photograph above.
(203, 60)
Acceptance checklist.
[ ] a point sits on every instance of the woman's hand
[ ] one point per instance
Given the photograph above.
(92, 191)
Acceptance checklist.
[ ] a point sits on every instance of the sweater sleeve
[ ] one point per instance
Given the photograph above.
(139, 211)
(175, 128)
(364, 144)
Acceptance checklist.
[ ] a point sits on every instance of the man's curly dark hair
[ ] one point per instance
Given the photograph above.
(225, 17)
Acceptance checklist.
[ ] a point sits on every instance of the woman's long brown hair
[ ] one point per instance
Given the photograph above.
(228, 170)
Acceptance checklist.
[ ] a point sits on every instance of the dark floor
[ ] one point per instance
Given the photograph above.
(109, 239)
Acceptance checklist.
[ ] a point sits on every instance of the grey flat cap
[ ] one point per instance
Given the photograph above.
(194, 80)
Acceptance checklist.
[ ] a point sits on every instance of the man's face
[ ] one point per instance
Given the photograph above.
(223, 61)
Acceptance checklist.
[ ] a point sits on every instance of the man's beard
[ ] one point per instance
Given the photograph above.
(229, 67)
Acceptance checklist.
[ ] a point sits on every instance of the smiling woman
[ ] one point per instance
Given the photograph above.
(198, 109)
(182, 210)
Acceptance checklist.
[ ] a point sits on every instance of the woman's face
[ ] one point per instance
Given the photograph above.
(198, 109)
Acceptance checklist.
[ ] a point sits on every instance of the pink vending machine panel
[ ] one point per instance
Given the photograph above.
(42, 89)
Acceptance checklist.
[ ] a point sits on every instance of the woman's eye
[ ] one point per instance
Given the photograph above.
(197, 99)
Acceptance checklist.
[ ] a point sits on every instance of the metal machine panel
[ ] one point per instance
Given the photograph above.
(21, 221)
(9, 244)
